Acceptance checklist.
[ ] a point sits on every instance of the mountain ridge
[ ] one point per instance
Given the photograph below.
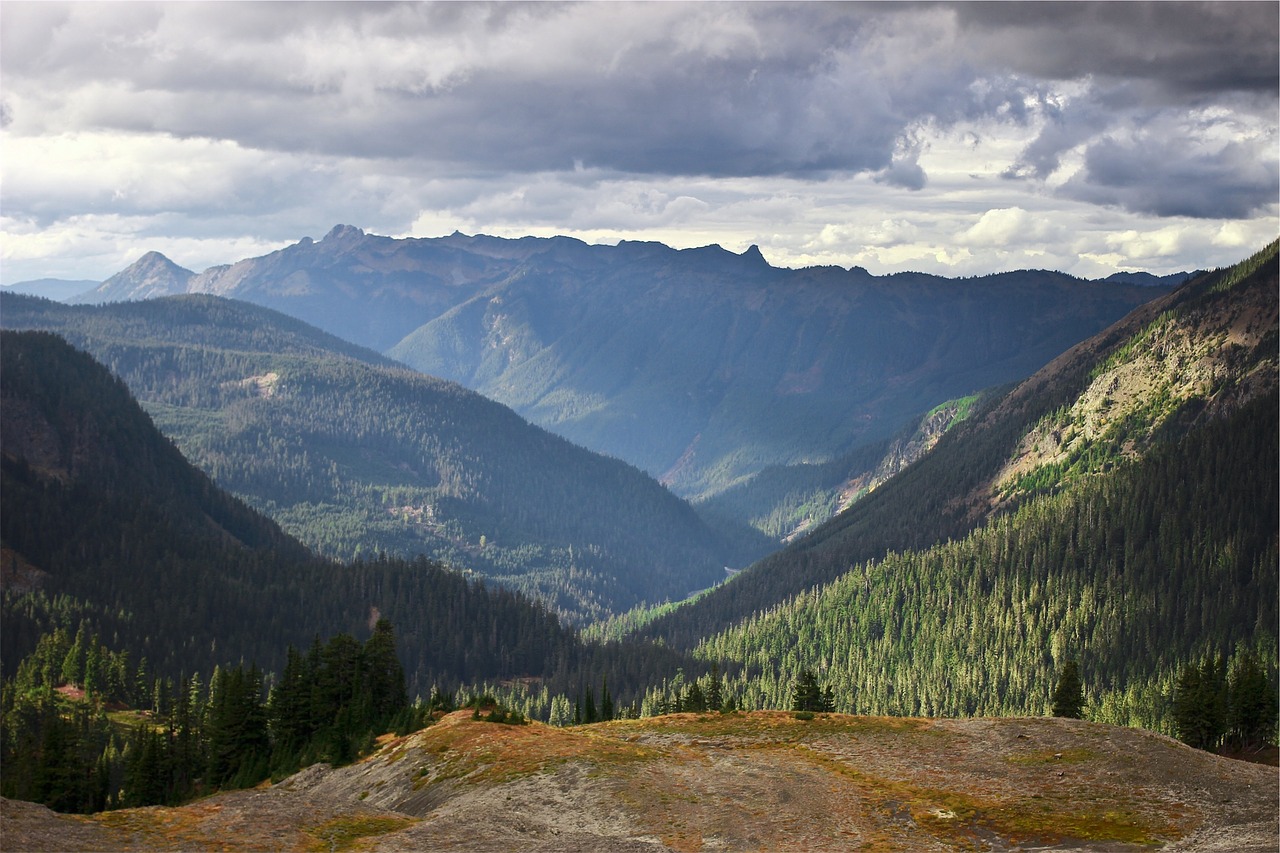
(107, 527)
(638, 349)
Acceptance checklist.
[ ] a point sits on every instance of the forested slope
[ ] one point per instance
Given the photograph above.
(103, 521)
(1163, 562)
(358, 456)
(1135, 535)
(1219, 331)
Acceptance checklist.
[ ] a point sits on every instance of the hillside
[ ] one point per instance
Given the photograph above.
(787, 501)
(104, 524)
(700, 366)
(1220, 330)
(743, 781)
(50, 288)
(356, 455)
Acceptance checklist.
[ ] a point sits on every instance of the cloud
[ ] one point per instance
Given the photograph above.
(1169, 173)
(904, 171)
(1182, 50)
(716, 89)
(787, 125)
(1010, 226)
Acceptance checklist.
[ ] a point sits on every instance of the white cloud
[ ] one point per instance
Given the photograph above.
(827, 133)
(1010, 226)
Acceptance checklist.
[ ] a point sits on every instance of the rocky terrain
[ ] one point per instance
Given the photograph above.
(758, 781)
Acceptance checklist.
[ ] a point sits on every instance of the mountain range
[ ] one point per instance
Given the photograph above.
(1112, 513)
(107, 528)
(700, 366)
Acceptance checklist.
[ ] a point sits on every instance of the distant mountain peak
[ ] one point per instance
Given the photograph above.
(150, 264)
(149, 276)
(343, 232)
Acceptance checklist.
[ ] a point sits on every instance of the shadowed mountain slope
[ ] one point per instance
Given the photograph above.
(104, 524)
(1187, 362)
(358, 456)
(699, 366)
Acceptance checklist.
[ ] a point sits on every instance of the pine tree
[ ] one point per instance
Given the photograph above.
(1068, 695)
(1199, 706)
(73, 663)
(289, 714)
(694, 699)
(384, 675)
(1251, 716)
(808, 694)
(715, 699)
(561, 712)
(606, 702)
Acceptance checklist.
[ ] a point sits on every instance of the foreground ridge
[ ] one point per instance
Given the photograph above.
(761, 780)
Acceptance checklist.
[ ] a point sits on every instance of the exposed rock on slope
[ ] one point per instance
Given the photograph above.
(738, 782)
(1197, 353)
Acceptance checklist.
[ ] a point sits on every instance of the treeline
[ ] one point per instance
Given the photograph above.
(1134, 574)
(83, 729)
(1225, 703)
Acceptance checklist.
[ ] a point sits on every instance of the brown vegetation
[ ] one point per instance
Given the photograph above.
(758, 781)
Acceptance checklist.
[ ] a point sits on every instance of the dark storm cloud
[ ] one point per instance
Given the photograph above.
(1182, 48)
(715, 89)
(1146, 66)
(1160, 177)
(512, 112)
(712, 89)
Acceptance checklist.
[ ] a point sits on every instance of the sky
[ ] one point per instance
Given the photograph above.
(957, 139)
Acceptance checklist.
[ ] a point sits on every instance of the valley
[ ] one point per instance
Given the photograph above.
(1113, 513)
(356, 455)
(699, 366)
(664, 427)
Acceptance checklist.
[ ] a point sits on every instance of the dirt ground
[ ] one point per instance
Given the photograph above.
(759, 781)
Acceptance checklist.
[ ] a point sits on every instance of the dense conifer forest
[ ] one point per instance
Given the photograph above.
(949, 492)
(162, 639)
(105, 522)
(83, 728)
(1169, 560)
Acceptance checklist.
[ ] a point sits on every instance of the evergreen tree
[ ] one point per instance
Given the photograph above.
(1068, 695)
(289, 714)
(715, 698)
(1198, 702)
(561, 713)
(384, 676)
(808, 695)
(73, 663)
(694, 699)
(606, 702)
(1251, 716)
